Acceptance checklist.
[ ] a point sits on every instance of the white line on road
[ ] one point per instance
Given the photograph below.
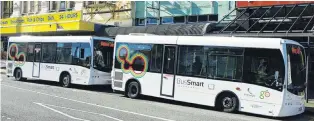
(61, 112)
(110, 108)
(80, 111)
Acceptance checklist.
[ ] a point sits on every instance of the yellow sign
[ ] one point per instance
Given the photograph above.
(62, 21)
(45, 18)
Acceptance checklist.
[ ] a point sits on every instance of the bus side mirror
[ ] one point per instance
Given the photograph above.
(277, 80)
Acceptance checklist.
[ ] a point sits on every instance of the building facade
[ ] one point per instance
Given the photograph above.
(60, 18)
(55, 16)
(170, 12)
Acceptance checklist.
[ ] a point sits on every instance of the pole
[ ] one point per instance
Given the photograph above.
(158, 14)
(307, 71)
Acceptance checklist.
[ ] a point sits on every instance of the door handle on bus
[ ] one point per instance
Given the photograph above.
(164, 77)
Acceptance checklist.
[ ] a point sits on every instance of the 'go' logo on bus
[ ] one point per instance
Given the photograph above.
(264, 94)
(128, 63)
(16, 56)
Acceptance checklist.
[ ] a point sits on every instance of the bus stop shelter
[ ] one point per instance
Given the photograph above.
(193, 29)
(293, 22)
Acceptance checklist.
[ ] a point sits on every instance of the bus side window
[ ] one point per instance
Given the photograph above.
(156, 58)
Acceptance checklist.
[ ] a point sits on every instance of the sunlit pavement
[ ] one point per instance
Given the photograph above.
(46, 101)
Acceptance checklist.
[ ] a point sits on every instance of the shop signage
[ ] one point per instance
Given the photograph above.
(42, 18)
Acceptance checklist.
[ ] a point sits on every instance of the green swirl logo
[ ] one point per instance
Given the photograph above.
(264, 94)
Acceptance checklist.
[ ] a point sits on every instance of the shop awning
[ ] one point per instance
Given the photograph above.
(70, 21)
(194, 29)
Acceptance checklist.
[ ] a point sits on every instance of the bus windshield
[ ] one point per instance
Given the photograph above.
(296, 57)
(103, 55)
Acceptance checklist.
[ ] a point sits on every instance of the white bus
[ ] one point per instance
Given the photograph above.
(84, 60)
(263, 76)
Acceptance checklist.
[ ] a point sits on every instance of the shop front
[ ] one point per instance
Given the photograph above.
(62, 22)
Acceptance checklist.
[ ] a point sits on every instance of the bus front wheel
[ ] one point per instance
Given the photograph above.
(18, 75)
(133, 90)
(65, 80)
(228, 103)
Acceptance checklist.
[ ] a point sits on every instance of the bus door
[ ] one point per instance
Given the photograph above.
(168, 70)
(37, 58)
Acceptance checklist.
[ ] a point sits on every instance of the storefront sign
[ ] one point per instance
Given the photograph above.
(45, 23)
(44, 18)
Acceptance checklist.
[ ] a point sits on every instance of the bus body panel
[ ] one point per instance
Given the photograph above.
(52, 71)
(100, 78)
(252, 98)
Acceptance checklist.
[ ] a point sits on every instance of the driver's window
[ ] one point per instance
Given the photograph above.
(264, 67)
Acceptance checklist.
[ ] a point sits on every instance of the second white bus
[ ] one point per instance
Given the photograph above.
(263, 76)
(84, 60)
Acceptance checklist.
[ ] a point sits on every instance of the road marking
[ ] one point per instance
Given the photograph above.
(79, 111)
(61, 112)
(70, 89)
(110, 108)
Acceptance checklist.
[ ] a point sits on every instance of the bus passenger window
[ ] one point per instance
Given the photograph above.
(49, 52)
(225, 64)
(156, 58)
(192, 61)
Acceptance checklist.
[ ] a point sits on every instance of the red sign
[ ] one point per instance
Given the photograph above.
(106, 44)
(241, 4)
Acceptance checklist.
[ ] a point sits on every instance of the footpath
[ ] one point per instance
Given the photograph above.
(3, 70)
(309, 107)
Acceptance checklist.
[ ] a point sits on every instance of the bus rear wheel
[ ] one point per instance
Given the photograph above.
(228, 103)
(18, 75)
(133, 90)
(65, 80)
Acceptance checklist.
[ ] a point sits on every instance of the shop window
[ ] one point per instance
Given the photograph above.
(53, 6)
(24, 5)
(140, 21)
(39, 6)
(202, 18)
(213, 17)
(7, 9)
(32, 6)
(179, 19)
(166, 20)
(62, 6)
(152, 21)
(192, 18)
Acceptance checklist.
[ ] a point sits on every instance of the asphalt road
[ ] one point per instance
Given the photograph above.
(46, 101)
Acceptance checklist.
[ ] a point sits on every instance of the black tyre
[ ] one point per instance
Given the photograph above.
(133, 90)
(65, 80)
(228, 103)
(18, 75)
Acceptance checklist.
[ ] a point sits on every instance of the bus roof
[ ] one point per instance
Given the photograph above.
(274, 43)
(56, 38)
